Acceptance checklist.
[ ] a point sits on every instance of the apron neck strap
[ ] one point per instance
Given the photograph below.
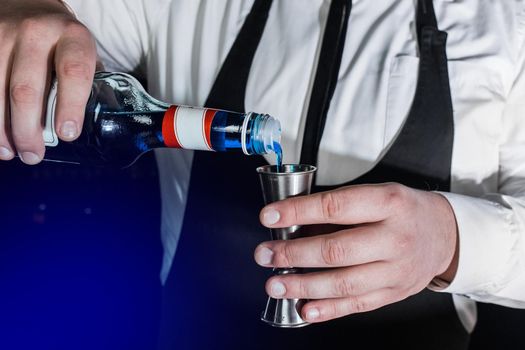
(229, 89)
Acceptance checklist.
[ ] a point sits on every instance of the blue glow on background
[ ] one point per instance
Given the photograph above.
(80, 257)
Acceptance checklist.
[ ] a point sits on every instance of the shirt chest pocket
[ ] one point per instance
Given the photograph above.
(476, 93)
(478, 98)
(477, 101)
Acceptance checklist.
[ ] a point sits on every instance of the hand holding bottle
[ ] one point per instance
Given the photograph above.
(39, 37)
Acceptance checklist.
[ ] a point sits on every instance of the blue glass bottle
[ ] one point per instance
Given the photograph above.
(122, 122)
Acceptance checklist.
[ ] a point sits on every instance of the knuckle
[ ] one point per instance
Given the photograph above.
(77, 29)
(333, 252)
(286, 256)
(330, 206)
(36, 29)
(303, 289)
(79, 38)
(395, 195)
(404, 240)
(333, 310)
(357, 305)
(31, 25)
(24, 93)
(78, 70)
(79, 49)
(344, 287)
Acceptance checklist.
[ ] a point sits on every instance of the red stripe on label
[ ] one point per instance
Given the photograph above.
(169, 132)
(206, 126)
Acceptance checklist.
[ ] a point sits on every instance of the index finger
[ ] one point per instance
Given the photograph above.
(75, 60)
(356, 246)
(345, 206)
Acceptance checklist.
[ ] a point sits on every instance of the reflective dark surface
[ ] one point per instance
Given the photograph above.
(80, 257)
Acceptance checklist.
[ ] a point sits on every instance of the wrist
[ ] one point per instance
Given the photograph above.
(450, 265)
(449, 274)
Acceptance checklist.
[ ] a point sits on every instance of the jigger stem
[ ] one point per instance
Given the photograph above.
(291, 180)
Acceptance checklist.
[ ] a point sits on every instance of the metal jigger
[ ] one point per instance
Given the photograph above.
(288, 180)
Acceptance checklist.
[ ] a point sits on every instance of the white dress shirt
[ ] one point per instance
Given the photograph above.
(180, 45)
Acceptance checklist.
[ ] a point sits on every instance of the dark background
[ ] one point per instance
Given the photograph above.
(80, 256)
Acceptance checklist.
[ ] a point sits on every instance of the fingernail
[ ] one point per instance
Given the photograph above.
(5, 153)
(312, 314)
(271, 216)
(69, 130)
(264, 256)
(277, 289)
(29, 158)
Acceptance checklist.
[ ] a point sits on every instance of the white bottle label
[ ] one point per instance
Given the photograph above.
(50, 136)
(188, 127)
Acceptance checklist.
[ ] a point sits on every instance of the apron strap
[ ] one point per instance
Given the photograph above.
(421, 155)
(325, 78)
(426, 16)
(229, 88)
(328, 69)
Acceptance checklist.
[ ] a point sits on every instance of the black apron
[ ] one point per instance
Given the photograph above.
(214, 294)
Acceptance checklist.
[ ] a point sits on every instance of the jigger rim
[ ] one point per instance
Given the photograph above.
(297, 169)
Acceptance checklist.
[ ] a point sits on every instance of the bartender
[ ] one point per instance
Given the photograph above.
(411, 110)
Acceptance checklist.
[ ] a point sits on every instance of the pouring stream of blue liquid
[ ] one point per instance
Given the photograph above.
(279, 154)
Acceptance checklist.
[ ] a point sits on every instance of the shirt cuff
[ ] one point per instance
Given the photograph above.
(485, 238)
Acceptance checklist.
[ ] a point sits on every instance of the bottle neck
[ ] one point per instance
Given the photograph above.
(264, 134)
(217, 130)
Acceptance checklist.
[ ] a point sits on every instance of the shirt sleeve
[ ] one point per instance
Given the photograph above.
(122, 29)
(492, 229)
